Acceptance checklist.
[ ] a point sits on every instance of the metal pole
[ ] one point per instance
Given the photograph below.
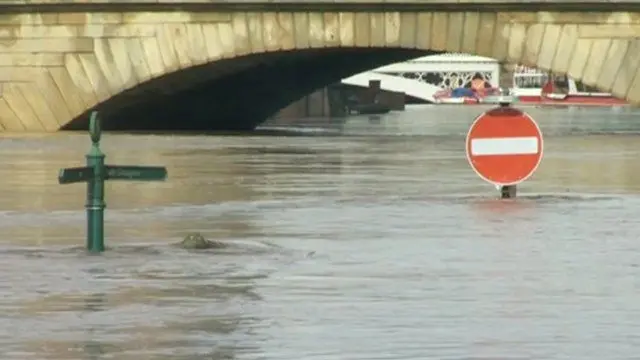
(95, 189)
(508, 191)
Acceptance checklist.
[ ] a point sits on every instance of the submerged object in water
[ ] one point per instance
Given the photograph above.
(195, 241)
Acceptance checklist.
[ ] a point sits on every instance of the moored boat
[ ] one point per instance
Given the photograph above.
(467, 96)
(534, 87)
(478, 91)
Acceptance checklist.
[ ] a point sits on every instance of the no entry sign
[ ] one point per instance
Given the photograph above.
(504, 146)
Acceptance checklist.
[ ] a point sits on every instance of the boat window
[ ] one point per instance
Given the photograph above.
(561, 84)
(580, 87)
(561, 81)
(530, 81)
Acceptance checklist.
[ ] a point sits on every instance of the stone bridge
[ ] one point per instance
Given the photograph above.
(207, 64)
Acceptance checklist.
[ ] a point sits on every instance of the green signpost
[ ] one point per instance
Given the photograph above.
(95, 174)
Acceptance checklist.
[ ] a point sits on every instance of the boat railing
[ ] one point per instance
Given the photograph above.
(593, 94)
(525, 80)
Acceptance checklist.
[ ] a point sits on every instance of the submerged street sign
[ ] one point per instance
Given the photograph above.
(504, 146)
(95, 174)
(113, 172)
(75, 175)
(135, 173)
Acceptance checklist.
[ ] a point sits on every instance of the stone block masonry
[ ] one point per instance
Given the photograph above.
(54, 66)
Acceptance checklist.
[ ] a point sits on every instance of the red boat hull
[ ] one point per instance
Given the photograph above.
(582, 100)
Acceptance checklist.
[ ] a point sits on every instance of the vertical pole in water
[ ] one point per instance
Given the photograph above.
(95, 189)
(95, 174)
(508, 191)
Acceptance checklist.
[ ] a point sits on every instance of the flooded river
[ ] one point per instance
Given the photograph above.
(377, 242)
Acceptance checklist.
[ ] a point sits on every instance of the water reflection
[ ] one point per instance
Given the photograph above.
(92, 348)
(136, 314)
(87, 346)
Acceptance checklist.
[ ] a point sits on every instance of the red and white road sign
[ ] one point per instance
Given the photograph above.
(504, 146)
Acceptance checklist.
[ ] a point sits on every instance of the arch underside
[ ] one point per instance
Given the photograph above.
(235, 94)
(232, 70)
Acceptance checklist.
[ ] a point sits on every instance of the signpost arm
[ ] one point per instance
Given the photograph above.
(95, 204)
(95, 174)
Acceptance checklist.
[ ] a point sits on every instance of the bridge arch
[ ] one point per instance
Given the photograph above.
(236, 93)
(127, 64)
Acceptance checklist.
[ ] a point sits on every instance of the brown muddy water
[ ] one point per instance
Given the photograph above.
(375, 241)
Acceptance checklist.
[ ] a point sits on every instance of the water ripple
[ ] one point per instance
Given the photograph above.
(374, 246)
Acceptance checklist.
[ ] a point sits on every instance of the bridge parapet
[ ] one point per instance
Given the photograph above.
(56, 64)
(333, 5)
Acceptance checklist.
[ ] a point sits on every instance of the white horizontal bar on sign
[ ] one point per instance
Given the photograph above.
(504, 146)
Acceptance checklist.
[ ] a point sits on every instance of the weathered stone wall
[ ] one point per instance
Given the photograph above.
(55, 66)
(239, 3)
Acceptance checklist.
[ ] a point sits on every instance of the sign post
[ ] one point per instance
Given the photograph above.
(504, 147)
(95, 174)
